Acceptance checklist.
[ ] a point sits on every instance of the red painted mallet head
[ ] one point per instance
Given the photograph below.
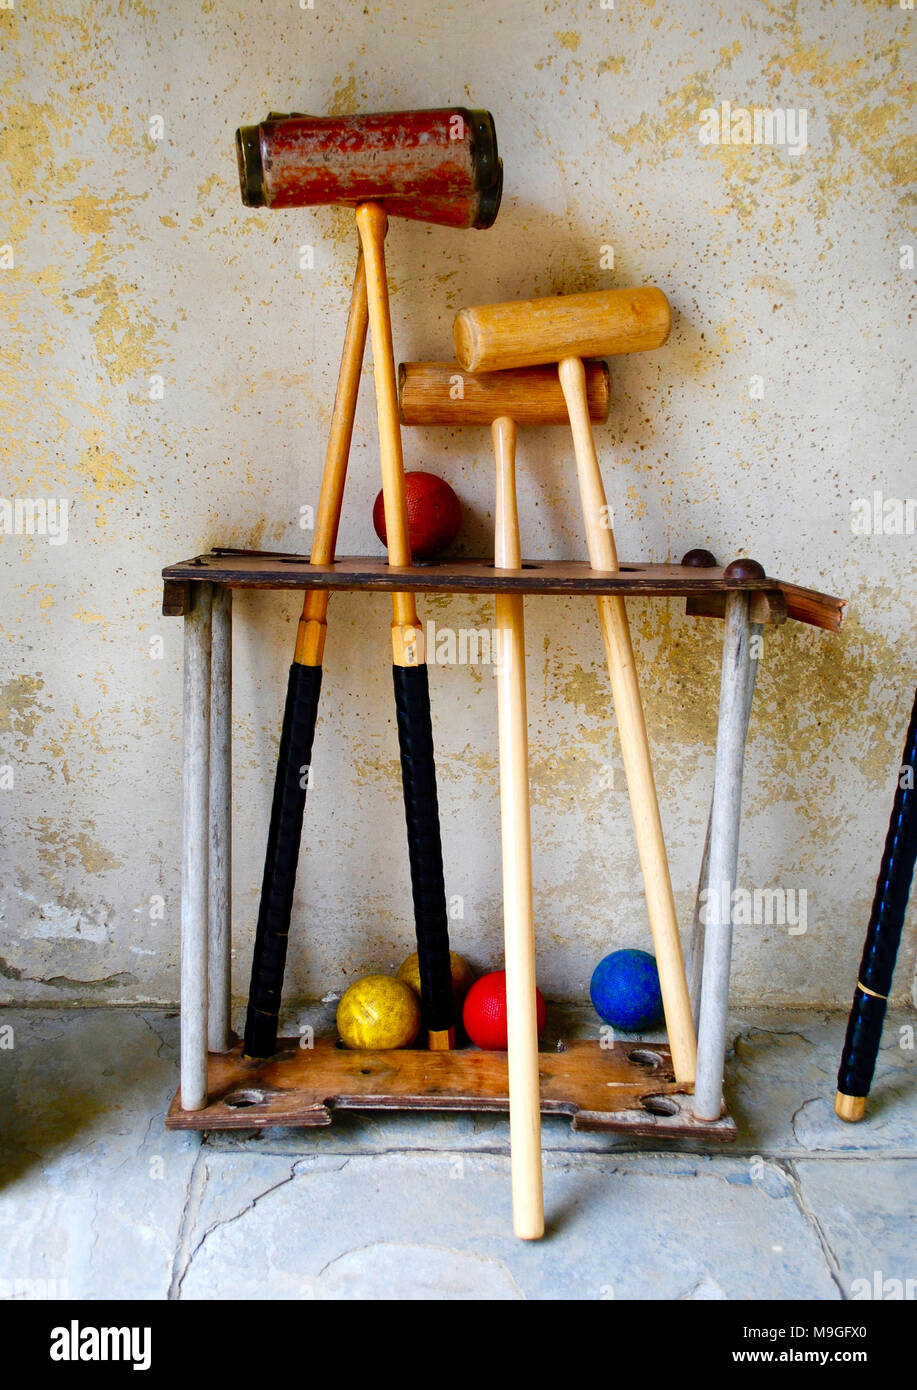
(438, 166)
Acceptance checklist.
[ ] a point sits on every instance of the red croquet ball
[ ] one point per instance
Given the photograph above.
(434, 514)
(484, 1014)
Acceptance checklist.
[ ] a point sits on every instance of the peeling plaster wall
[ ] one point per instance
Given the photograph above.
(132, 258)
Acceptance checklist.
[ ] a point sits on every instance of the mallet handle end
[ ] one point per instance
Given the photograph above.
(849, 1108)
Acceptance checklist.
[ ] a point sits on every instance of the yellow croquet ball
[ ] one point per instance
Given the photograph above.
(462, 976)
(378, 1012)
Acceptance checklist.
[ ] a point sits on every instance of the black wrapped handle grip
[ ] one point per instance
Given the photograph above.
(280, 862)
(421, 809)
(883, 935)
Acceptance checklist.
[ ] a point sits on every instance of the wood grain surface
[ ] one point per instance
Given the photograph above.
(629, 1087)
(271, 570)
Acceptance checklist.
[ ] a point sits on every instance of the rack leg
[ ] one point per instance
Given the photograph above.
(736, 690)
(694, 958)
(219, 1033)
(195, 845)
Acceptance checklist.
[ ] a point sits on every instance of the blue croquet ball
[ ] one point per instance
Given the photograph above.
(625, 991)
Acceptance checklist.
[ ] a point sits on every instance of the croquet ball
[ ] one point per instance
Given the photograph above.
(625, 991)
(484, 1014)
(378, 1012)
(434, 515)
(462, 976)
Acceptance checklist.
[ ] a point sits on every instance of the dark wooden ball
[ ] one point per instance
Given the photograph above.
(744, 569)
(699, 559)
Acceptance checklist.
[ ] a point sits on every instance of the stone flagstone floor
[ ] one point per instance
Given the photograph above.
(98, 1200)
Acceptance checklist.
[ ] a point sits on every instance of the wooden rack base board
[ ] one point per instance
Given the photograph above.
(628, 1088)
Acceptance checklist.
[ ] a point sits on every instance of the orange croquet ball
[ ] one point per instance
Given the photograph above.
(462, 976)
(484, 1015)
(434, 515)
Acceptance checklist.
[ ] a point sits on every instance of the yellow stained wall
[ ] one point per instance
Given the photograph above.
(168, 367)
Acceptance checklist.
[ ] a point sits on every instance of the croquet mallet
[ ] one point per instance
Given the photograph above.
(438, 166)
(500, 399)
(563, 330)
(883, 937)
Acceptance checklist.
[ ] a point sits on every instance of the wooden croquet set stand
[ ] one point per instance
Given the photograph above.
(628, 1087)
(526, 362)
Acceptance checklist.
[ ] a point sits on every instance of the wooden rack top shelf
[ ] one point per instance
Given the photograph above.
(704, 588)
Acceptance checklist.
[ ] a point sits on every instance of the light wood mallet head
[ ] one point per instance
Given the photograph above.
(441, 393)
(528, 332)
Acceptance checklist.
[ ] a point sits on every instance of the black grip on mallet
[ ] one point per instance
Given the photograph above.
(421, 809)
(281, 859)
(883, 935)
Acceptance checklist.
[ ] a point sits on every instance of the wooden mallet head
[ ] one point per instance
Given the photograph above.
(441, 393)
(528, 332)
(437, 166)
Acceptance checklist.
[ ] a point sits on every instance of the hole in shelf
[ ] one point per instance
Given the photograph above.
(660, 1105)
(645, 1057)
(491, 566)
(366, 1071)
(238, 1100)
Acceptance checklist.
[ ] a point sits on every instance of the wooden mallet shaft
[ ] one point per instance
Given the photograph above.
(310, 638)
(372, 222)
(635, 751)
(518, 917)
(540, 331)
(438, 393)
(412, 691)
(301, 706)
